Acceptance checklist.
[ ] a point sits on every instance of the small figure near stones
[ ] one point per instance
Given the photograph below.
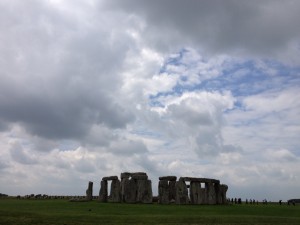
(239, 201)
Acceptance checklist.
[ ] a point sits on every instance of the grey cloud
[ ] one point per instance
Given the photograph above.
(128, 147)
(59, 76)
(191, 117)
(99, 136)
(196, 120)
(208, 142)
(18, 153)
(149, 165)
(84, 166)
(232, 148)
(3, 126)
(3, 164)
(262, 27)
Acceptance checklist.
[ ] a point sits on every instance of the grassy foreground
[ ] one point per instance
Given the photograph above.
(14, 211)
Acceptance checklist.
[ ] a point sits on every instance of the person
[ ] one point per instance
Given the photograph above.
(240, 201)
(280, 202)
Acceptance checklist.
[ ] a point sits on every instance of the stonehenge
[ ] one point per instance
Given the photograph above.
(137, 188)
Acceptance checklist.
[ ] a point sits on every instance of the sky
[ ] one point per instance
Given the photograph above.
(187, 88)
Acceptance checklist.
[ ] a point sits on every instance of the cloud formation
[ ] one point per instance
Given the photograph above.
(259, 28)
(197, 88)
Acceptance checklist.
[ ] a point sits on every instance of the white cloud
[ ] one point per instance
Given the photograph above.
(94, 88)
(280, 155)
(268, 120)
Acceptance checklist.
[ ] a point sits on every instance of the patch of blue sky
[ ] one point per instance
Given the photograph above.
(146, 133)
(174, 60)
(241, 78)
(141, 130)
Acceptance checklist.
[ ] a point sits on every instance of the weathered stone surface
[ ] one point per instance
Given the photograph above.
(103, 191)
(218, 193)
(125, 175)
(201, 180)
(211, 193)
(115, 191)
(134, 175)
(202, 198)
(110, 178)
(123, 180)
(195, 192)
(144, 191)
(223, 191)
(139, 177)
(172, 190)
(135, 187)
(181, 193)
(129, 191)
(89, 192)
(168, 178)
(163, 192)
(138, 173)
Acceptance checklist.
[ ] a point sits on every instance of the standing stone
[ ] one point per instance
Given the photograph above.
(89, 192)
(129, 190)
(223, 190)
(115, 191)
(181, 193)
(163, 192)
(144, 191)
(172, 190)
(211, 193)
(203, 196)
(103, 191)
(123, 180)
(218, 193)
(195, 193)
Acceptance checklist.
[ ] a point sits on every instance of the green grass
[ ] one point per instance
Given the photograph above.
(62, 212)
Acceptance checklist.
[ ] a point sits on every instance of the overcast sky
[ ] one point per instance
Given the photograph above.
(169, 87)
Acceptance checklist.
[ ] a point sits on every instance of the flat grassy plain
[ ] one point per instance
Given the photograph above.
(63, 212)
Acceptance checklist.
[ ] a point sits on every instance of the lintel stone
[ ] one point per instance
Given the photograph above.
(110, 178)
(168, 178)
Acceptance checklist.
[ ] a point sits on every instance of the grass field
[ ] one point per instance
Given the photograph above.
(62, 212)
